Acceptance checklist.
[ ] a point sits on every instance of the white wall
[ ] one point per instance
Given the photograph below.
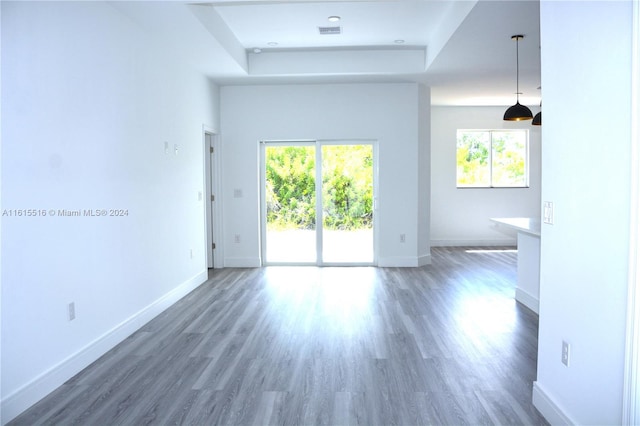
(461, 216)
(88, 103)
(388, 113)
(424, 172)
(0, 226)
(586, 80)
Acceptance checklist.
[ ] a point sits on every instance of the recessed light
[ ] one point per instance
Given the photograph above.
(272, 44)
(398, 41)
(257, 50)
(334, 18)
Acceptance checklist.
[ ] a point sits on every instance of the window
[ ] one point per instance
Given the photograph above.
(492, 159)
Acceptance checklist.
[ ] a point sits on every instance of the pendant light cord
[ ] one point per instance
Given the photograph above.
(517, 112)
(517, 69)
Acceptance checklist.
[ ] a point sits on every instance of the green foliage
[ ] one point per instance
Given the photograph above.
(472, 159)
(491, 159)
(347, 186)
(347, 182)
(290, 186)
(509, 153)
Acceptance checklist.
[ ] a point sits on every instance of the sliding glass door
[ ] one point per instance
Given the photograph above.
(289, 212)
(318, 203)
(347, 203)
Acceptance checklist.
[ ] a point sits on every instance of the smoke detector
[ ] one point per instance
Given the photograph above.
(330, 30)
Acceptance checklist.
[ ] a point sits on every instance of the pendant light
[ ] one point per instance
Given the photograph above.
(537, 119)
(517, 112)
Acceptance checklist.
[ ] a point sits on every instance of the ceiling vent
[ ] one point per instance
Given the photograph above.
(330, 30)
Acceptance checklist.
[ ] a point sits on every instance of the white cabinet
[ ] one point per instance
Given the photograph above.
(528, 287)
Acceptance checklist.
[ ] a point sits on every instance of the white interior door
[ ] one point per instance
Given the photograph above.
(209, 210)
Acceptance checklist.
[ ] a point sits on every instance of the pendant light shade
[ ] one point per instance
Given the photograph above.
(537, 120)
(517, 112)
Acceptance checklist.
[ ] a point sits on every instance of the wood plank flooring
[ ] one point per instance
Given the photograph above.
(444, 344)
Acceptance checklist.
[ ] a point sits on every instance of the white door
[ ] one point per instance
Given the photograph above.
(209, 198)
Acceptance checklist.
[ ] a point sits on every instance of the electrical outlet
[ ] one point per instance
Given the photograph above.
(547, 212)
(566, 352)
(403, 238)
(237, 238)
(71, 311)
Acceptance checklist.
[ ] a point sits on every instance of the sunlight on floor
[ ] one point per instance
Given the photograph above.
(336, 300)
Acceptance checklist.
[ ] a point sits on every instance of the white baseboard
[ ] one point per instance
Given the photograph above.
(242, 262)
(527, 300)
(45, 383)
(474, 243)
(398, 261)
(424, 259)
(548, 408)
(401, 261)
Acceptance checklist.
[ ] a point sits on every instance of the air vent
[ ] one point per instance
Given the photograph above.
(330, 30)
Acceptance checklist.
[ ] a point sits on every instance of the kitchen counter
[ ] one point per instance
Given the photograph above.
(528, 286)
(528, 225)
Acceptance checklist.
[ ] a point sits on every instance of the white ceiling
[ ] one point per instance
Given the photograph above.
(295, 25)
(462, 49)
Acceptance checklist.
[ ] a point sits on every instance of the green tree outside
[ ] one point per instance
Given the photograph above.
(347, 186)
(347, 182)
(491, 159)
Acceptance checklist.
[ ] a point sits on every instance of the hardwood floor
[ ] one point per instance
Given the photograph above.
(442, 344)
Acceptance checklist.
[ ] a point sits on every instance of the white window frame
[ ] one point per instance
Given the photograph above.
(490, 160)
(318, 144)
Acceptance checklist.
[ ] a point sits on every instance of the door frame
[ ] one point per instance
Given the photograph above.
(631, 391)
(318, 144)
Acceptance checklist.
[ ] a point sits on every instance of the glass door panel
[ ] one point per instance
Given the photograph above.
(347, 204)
(290, 197)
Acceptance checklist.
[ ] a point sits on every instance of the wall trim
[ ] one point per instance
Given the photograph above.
(631, 390)
(32, 392)
(527, 300)
(242, 262)
(548, 408)
(475, 243)
(424, 259)
(399, 262)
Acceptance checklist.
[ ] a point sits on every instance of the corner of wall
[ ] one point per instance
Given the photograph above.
(548, 407)
(399, 262)
(424, 259)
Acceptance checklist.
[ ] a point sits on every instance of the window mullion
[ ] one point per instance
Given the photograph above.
(490, 159)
